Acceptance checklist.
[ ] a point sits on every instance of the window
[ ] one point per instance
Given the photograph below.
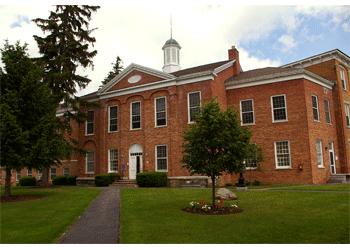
(347, 114)
(65, 171)
(90, 162)
(327, 111)
(29, 172)
(113, 160)
(40, 174)
(160, 111)
(18, 175)
(90, 123)
(319, 154)
(343, 79)
(135, 115)
(194, 104)
(282, 154)
(52, 173)
(113, 119)
(161, 158)
(247, 112)
(315, 113)
(279, 108)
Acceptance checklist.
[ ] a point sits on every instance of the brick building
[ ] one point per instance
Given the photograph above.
(298, 114)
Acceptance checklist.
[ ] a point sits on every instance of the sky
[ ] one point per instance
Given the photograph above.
(265, 35)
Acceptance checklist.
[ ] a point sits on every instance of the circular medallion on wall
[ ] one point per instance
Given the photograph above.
(134, 79)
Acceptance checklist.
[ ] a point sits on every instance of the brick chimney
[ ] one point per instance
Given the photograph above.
(233, 54)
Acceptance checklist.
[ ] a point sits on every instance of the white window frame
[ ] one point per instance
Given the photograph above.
(241, 112)
(343, 78)
(317, 108)
(131, 115)
(290, 156)
(51, 172)
(63, 172)
(188, 104)
(109, 118)
(18, 173)
(109, 161)
(31, 172)
(156, 158)
(329, 111)
(155, 112)
(347, 113)
(86, 162)
(93, 122)
(272, 108)
(319, 144)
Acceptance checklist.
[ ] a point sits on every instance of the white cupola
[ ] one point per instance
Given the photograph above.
(171, 50)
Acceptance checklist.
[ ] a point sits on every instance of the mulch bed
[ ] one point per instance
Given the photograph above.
(15, 198)
(219, 211)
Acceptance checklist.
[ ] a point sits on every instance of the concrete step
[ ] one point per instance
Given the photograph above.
(339, 178)
(125, 183)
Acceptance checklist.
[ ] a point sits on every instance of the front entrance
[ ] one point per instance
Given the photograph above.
(135, 161)
(331, 158)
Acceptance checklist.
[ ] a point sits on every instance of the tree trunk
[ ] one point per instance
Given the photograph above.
(45, 177)
(8, 183)
(213, 190)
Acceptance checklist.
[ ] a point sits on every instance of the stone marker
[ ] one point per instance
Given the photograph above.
(224, 193)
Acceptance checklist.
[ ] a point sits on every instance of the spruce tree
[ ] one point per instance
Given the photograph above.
(117, 68)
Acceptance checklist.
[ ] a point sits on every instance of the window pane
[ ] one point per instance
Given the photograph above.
(194, 99)
(161, 151)
(319, 153)
(53, 173)
(279, 108)
(113, 160)
(90, 161)
(136, 115)
(278, 101)
(136, 108)
(282, 154)
(160, 111)
(90, 122)
(279, 114)
(247, 105)
(247, 118)
(66, 171)
(113, 118)
(162, 157)
(327, 111)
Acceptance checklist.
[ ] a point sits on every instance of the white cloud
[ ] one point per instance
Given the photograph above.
(249, 62)
(287, 42)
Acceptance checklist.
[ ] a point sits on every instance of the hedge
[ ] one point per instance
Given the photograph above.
(102, 180)
(151, 179)
(64, 180)
(27, 181)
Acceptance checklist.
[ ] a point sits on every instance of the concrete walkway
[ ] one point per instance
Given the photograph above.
(99, 223)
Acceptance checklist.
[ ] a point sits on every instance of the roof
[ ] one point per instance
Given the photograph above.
(171, 41)
(258, 72)
(201, 68)
(332, 54)
(89, 96)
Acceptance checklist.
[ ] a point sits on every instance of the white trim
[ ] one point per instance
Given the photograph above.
(319, 141)
(93, 122)
(156, 158)
(343, 77)
(109, 160)
(109, 118)
(317, 108)
(241, 114)
(129, 69)
(290, 156)
(188, 104)
(131, 115)
(272, 108)
(223, 67)
(155, 112)
(347, 113)
(86, 162)
(276, 80)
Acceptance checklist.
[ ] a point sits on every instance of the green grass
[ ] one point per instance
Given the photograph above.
(44, 220)
(155, 216)
(327, 187)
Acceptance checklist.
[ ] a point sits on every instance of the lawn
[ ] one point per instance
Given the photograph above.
(155, 216)
(44, 220)
(328, 187)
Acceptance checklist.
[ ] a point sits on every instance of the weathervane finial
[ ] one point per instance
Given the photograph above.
(171, 26)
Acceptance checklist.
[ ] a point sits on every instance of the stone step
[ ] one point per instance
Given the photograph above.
(339, 178)
(125, 183)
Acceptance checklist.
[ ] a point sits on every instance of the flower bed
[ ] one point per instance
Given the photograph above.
(220, 208)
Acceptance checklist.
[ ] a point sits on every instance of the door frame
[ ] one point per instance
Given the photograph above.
(331, 151)
(134, 151)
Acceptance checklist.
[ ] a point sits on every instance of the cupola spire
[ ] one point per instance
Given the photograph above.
(171, 52)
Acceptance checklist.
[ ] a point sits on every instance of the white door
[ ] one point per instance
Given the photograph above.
(332, 158)
(135, 161)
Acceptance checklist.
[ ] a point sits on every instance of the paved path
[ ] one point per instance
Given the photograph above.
(99, 223)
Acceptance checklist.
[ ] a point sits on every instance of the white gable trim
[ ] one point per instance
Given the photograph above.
(279, 79)
(130, 68)
(223, 67)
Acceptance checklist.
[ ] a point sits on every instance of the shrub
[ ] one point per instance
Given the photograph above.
(113, 177)
(151, 179)
(59, 180)
(102, 180)
(256, 183)
(71, 180)
(27, 181)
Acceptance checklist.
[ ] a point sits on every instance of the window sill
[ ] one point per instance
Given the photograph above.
(317, 121)
(164, 171)
(89, 172)
(247, 124)
(321, 167)
(135, 129)
(251, 168)
(113, 172)
(112, 132)
(89, 134)
(163, 126)
(282, 168)
(279, 121)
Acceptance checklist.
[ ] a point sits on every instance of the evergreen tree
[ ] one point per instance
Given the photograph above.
(216, 144)
(117, 68)
(66, 48)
